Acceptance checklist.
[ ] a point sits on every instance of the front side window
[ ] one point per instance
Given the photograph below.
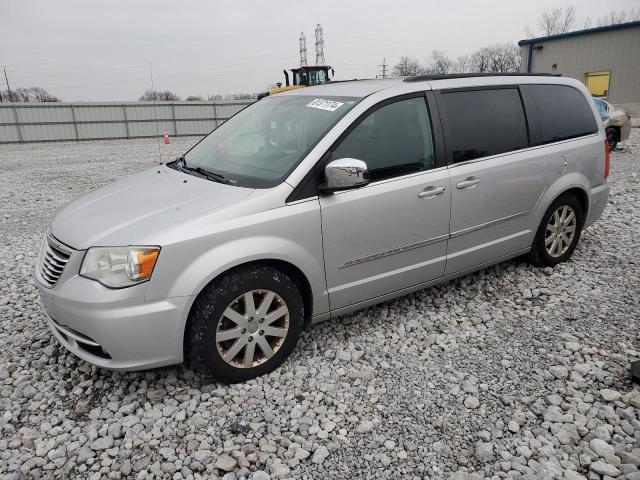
(260, 145)
(564, 112)
(393, 140)
(485, 122)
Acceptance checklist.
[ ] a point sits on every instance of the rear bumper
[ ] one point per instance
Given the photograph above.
(115, 329)
(598, 202)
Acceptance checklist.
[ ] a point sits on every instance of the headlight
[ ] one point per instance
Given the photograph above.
(118, 267)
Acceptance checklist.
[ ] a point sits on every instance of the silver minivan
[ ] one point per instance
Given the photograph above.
(314, 203)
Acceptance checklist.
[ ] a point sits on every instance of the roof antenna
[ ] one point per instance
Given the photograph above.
(155, 111)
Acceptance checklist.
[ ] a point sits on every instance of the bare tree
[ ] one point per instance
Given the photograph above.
(554, 21)
(240, 96)
(194, 98)
(159, 96)
(41, 95)
(439, 64)
(623, 16)
(32, 94)
(408, 67)
(504, 58)
(462, 64)
(214, 98)
(481, 60)
(557, 20)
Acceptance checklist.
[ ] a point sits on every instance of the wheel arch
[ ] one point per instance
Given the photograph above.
(583, 199)
(288, 268)
(575, 184)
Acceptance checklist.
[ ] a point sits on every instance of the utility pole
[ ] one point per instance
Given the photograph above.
(319, 46)
(7, 80)
(384, 69)
(303, 50)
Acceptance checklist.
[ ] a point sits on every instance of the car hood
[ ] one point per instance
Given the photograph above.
(139, 205)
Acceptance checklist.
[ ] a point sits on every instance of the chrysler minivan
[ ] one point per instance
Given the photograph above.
(314, 203)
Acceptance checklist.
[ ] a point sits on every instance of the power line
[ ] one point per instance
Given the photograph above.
(319, 46)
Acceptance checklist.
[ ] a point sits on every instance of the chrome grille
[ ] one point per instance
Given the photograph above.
(52, 261)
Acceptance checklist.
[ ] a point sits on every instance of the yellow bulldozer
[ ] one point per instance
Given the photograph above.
(304, 76)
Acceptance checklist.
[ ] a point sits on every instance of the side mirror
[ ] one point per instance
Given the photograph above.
(345, 173)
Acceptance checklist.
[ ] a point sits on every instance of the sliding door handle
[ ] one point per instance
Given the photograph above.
(468, 183)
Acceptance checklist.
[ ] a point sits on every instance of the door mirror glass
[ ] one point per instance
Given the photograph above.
(345, 173)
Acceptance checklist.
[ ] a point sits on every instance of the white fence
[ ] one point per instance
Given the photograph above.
(58, 121)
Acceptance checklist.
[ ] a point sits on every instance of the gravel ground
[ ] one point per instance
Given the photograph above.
(512, 372)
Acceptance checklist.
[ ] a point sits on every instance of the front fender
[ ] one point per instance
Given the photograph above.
(204, 268)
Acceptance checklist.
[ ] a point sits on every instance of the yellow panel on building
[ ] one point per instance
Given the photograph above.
(597, 83)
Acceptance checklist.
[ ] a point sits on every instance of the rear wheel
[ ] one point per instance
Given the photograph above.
(558, 233)
(612, 138)
(244, 324)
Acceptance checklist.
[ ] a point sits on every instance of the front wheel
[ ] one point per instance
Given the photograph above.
(612, 138)
(244, 324)
(558, 233)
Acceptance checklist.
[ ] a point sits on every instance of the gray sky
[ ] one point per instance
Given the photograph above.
(99, 50)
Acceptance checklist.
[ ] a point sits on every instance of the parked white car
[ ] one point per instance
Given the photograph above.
(617, 123)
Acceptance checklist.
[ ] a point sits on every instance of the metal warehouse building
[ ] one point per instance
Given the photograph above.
(606, 59)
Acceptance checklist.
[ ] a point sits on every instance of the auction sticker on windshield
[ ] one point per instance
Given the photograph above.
(322, 104)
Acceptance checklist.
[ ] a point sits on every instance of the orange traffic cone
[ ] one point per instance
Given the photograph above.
(167, 140)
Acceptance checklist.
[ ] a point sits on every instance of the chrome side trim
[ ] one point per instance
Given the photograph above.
(389, 296)
(488, 224)
(394, 251)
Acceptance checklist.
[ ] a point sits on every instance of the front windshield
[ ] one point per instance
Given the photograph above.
(260, 145)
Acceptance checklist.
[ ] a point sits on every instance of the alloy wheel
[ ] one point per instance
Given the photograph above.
(252, 328)
(560, 232)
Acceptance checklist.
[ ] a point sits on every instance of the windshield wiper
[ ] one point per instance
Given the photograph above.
(181, 164)
(209, 174)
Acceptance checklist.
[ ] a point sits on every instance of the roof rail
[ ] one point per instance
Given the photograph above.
(446, 76)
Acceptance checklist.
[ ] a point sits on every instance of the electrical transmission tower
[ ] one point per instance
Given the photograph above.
(303, 50)
(319, 46)
(383, 67)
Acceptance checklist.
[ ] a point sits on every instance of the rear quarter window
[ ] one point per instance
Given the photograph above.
(563, 111)
(484, 122)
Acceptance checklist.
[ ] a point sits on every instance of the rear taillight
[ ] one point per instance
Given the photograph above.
(607, 159)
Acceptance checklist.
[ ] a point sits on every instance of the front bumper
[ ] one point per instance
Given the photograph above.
(115, 329)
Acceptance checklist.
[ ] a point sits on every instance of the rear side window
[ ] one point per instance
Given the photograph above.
(564, 112)
(485, 122)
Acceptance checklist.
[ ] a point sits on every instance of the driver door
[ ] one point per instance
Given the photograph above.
(392, 233)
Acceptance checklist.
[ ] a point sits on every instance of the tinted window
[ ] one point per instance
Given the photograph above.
(564, 112)
(485, 122)
(393, 140)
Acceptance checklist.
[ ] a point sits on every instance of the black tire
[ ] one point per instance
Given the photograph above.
(612, 138)
(539, 255)
(201, 350)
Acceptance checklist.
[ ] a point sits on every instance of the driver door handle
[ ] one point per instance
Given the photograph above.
(430, 192)
(469, 182)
